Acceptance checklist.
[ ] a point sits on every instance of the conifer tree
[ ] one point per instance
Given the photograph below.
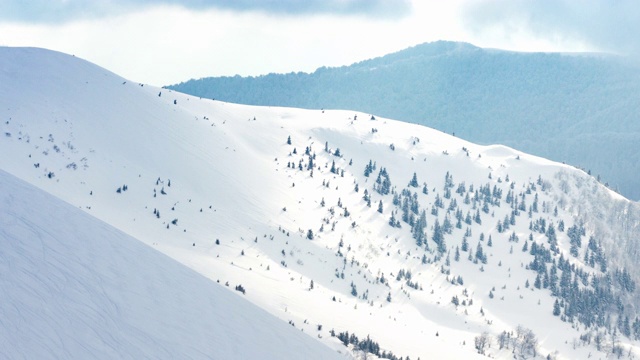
(438, 237)
(556, 308)
(414, 181)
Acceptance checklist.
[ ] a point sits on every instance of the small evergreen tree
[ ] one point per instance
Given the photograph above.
(392, 222)
(556, 308)
(414, 181)
(438, 237)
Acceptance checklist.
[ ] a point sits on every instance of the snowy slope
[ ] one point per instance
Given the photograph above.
(218, 187)
(74, 287)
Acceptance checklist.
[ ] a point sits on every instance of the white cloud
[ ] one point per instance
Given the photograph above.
(169, 44)
(593, 24)
(163, 45)
(52, 11)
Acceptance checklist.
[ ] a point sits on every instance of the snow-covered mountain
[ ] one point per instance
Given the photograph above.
(579, 108)
(386, 236)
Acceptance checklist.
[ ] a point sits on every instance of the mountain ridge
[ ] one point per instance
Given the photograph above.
(577, 108)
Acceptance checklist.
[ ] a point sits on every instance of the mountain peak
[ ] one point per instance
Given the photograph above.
(444, 46)
(418, 53)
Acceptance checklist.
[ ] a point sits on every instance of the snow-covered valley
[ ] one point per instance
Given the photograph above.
(332, 221)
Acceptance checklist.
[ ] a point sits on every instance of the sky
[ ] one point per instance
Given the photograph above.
(163, 42)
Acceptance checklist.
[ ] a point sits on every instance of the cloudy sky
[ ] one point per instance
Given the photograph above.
(163, 42)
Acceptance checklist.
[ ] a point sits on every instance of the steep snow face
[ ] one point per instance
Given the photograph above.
(76, 288)
(335, 221)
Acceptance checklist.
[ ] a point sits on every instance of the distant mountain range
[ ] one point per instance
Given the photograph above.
(582, 109)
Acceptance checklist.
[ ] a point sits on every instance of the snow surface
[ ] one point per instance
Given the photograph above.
(74, 287)
(215, 186)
